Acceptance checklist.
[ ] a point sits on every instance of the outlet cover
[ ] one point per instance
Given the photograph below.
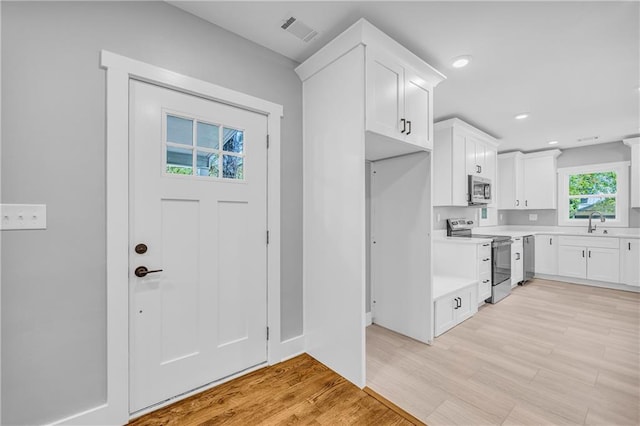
(23, 216)
(533, 217)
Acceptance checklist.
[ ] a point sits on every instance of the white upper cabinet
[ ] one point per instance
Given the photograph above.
(528, 181)
(510, 179)
(634, 144)
(399, 101)
(398, 98)
(461, 150)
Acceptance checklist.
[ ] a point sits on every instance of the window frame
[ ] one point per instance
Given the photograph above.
(621, 169)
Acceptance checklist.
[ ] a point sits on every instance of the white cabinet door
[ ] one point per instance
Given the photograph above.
(418, 104)
(475, 156)
(572, 261)
(540, 182)
(510, 181)
(630, 261)
(445, 313)
(489, 171)
(603, 264)
(546, 254)
(517, 262)
(385, 96)
(468, 304)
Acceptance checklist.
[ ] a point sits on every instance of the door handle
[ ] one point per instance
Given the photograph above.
(404, 125)
(142, 271)
(409, 131)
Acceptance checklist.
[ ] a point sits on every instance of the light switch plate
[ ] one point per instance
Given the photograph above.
(23, 216)
(533, 217)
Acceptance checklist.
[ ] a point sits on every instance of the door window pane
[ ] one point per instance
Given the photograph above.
(179, 161)
(207, 164)
(179, 130)
(233, 140)
(232, 167)
(208, 135)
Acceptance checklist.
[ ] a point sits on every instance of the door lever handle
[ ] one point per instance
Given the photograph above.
(142, 271)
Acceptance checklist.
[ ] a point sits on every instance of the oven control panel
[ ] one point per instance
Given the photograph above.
(460, 223)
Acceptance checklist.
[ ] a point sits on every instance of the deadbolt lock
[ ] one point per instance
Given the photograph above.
(141, 248)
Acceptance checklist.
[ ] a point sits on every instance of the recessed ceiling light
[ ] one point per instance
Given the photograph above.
(461, 61)
(553, 142)
(521, 116)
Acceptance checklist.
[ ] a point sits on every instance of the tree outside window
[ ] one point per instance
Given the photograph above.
(591, 192)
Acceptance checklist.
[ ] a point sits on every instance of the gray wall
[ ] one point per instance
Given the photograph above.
(53, 135)
(572, 157)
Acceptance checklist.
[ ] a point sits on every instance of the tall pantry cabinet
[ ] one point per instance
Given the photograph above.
(365, 98)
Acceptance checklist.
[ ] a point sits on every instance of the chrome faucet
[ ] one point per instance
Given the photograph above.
(593, 228)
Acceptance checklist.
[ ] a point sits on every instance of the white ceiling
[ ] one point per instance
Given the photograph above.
(573, 66)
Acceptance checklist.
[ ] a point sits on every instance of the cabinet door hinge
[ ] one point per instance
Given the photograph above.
(267, 237)
(267, 333)
(267, 141)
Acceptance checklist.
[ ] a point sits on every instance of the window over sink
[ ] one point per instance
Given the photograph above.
(602, 188)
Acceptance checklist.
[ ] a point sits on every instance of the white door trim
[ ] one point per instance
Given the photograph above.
(119, 70)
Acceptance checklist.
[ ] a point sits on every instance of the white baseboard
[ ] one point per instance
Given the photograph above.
(580, 281)
(291, 348)
(369, 319)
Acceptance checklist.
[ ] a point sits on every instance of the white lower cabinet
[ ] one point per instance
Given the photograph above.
(593, 258)
(572, 261)
(453, 308)
(630, 261)
(517, 261)
(546, 254)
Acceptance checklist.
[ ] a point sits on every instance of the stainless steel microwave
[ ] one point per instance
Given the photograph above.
(479, 190)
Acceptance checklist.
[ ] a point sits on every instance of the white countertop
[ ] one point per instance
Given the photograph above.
(443, 285)
(522, 231)
(458, 240)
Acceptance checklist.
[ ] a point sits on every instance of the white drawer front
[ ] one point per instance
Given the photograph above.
(602, 242)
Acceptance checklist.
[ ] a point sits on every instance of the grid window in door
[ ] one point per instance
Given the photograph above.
(198, 148)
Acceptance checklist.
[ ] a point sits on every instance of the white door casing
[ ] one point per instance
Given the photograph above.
(203, 317)
(119, 70)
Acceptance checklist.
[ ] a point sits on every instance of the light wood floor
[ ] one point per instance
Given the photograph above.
(550, 353)
(301, 391)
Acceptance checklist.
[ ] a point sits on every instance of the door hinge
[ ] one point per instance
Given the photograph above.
(267, 333)
(267, 237)
(267, 141)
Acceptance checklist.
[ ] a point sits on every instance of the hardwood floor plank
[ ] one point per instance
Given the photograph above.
(550, 353)
(298, 391)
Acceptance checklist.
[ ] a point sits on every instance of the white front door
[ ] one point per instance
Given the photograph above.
(198, 196)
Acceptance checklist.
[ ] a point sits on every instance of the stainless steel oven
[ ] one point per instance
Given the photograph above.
(479, 190)
(500, 256)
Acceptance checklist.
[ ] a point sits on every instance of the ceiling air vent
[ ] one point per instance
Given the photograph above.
(299, 29)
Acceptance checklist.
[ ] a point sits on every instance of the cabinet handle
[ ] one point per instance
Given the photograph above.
(582, 253)
(517, 203)
(629, 245)
(404, 125)
(589, 253)
(487, 259)
(409, 131)
(526, 203)
(487, 245)
(517, 256)
(485, 281)
(550, 241)
(480, 167)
